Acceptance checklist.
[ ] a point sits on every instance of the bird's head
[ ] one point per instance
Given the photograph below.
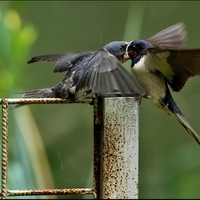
(118, 49)
(136, 49)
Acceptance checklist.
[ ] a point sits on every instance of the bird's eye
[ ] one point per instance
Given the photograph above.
(132, 47)
(123, 47)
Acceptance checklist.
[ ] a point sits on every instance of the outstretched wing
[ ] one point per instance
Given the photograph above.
(99, 72)
(185, 64)
(167, 56)
(48, 58)
(177, 66)
(63, 61)
(102, 73)
(173, 37)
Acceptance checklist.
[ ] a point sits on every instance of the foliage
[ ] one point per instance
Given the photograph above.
(24, 169)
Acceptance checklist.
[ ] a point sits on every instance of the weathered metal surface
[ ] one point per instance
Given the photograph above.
(4, 190)
(22, 101)
(71, 191)
(115, 133)
(98, 123)
(119, 176)
(4, 154)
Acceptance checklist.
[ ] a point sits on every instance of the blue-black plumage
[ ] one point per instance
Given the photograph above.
(91, 72)
(161, 63)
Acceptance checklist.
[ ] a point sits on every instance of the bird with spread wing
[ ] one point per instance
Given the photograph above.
(160, 64)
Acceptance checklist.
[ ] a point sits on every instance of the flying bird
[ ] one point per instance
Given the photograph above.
(161, 63)
(90, 73)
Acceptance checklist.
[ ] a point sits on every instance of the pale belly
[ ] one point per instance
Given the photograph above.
(153, 85)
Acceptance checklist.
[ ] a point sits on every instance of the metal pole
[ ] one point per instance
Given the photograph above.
(4, 154)
(98, 124)
(119, 156)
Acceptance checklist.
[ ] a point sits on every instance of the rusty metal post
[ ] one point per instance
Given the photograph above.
(4, 154)
(119, 156)
(98, 124)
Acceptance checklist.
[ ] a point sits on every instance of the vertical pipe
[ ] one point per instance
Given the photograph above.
(97, 136)
(119, 164)
(4, 154)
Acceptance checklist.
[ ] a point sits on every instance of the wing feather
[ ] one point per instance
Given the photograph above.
(63, 61)
(177, 66)
(48, 58)
(173, 37)
(104, 74)
(185, 64)
(99, 72)
(69, 60)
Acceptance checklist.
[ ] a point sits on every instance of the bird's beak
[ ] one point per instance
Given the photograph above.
(125, 57)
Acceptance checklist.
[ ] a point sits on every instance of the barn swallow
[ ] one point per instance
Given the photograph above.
(90, 73)
(162, 63)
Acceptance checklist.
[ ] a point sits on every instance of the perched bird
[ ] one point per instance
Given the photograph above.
(88, 73)
(162, 63)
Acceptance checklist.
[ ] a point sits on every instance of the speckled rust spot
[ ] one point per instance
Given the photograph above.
(67, 191)
(22, 101)
(120, 149)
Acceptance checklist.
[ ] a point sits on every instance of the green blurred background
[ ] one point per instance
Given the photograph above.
(51, 146)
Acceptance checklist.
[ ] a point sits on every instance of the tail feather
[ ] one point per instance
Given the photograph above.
(181, 119)
(40, 93)
(175, 111)
(169, 105)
